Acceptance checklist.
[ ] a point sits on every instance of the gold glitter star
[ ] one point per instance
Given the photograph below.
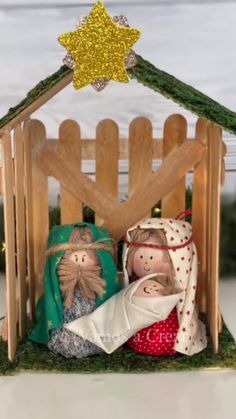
(99, 47)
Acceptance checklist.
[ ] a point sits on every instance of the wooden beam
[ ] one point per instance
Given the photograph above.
(120, 216)
(37, 103)
(20, 228)
(9, 227)
(40, 216)
(107, 159)
(55, 162)
(88, 147)
(29, 213)
(175, 132)
(140, 154)
(69, 138)
(172, 170)
(199, 214)
(213, 236)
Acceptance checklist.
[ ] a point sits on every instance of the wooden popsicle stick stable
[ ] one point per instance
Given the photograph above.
(175, 134)
(35, 158)
(9, 227)
(107, 159)
(20, 227)
(69, 134)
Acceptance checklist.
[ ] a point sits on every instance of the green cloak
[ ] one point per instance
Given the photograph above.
(49, 310)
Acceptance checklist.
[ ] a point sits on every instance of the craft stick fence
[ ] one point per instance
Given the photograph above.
(29, 158)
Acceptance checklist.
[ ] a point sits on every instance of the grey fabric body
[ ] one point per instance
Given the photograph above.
(67, 343)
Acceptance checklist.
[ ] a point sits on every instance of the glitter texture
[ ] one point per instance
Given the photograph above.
(100, 84)
(82, 20)
(121, 20)
(68, 60)
(130, 59)
(99, 48)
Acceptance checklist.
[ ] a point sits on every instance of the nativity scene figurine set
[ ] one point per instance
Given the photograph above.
(87, 310)
(88, 307)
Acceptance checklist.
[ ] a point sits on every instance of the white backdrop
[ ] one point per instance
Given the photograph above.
(193, 40)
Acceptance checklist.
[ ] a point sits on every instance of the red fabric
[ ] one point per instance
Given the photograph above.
(157, 339)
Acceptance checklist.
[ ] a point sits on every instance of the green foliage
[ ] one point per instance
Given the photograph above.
(54, 216)
(228, 238)
(188, 198)
(33, 357)
(88, 215)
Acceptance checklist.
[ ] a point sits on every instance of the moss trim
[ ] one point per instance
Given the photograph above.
(33, 357)
(184, 94)
(147, 74)
(42, 87)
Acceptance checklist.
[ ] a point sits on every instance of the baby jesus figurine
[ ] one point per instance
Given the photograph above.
(140, 304)
(159, 285)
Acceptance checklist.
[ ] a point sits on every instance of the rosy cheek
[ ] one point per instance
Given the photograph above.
(88, 262)
(155, 263)
(138, 267)
(138, 264)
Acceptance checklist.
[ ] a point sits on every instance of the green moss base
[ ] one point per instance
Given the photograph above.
(32, 357)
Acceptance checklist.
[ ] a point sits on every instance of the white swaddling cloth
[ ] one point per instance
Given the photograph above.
(120, 317)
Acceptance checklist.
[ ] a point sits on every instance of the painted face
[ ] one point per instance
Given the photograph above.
(83, 258)
(149, 288)
(147, 261)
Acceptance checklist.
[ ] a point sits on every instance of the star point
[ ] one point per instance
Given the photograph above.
(99, 47)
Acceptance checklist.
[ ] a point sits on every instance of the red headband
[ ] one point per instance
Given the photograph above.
(159, 246)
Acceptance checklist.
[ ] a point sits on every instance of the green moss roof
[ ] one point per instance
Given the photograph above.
(150, 76)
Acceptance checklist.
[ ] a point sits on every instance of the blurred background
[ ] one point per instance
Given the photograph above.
(194, 40)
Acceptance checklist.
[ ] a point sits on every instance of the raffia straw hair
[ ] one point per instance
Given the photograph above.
(71, 275)
(140, 235)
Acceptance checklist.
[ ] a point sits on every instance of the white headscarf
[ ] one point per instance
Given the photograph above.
(191, 336)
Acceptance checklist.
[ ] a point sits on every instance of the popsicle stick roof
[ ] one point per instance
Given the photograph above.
(144, 72)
